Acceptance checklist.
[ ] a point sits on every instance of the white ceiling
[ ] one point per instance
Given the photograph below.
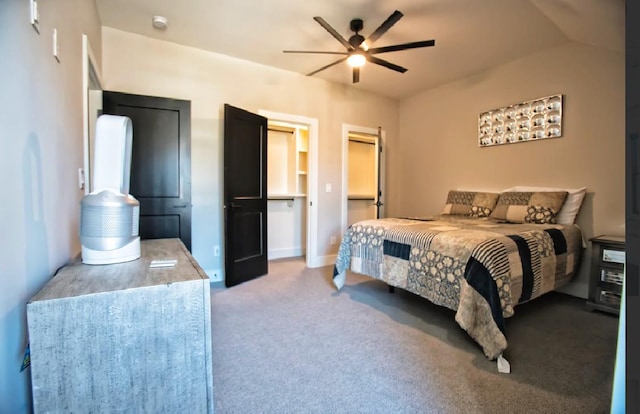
(471, 35)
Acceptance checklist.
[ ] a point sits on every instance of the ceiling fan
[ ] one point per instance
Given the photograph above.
(359, 49)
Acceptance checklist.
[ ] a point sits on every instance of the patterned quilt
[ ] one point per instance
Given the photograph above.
(480, 268)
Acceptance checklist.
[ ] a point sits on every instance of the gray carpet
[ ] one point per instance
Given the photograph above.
(288, 342)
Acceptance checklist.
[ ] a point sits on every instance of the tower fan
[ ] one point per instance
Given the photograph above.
(109, 215)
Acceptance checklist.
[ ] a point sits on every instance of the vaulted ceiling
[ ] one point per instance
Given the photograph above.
(470, 35)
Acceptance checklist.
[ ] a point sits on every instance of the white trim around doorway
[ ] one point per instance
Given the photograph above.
(312, 259)
(346, 130)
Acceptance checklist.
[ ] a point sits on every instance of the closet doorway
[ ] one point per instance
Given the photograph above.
(291, 186)
(362, 174)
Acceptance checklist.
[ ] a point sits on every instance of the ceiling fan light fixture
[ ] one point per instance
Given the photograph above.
(356, 60)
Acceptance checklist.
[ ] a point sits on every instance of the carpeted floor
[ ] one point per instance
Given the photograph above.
(288, 342)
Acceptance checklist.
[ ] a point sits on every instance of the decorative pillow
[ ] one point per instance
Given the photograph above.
(470, 203)
(529, 207)
(571, 206)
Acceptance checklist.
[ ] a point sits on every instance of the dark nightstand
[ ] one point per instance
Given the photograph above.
(607, 273)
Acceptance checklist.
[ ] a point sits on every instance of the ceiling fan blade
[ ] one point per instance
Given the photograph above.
(333, 32)
(404, 46)
(315, 51)
(386, 25)
(327, 66)
(356, 75)
(386, 64)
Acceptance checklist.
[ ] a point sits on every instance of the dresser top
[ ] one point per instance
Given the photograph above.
(79, 279)
(608, 239)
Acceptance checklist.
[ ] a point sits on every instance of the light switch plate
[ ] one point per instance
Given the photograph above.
(81, 178)
(56, 45)
(34, 15)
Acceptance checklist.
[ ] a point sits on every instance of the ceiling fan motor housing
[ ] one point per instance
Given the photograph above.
(356, 25)
(357, 39)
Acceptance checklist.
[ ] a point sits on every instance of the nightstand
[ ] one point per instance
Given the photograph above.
(607, 273)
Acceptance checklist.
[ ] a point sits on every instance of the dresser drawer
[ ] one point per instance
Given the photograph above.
(611, 256)
(607, 297)
(612, 276)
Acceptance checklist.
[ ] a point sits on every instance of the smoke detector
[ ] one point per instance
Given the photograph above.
(160, 22)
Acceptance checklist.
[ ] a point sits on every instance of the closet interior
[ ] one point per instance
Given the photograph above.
(362, 189)
(287, 149)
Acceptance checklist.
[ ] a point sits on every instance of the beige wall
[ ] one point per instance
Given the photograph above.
(439, 150)
(431, 137)
(42, 149)
(141, 65)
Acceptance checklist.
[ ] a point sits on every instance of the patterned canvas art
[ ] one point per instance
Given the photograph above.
(527, 121)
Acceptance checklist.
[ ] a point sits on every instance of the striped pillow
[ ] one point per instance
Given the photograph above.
(529, 207)
(470, 203)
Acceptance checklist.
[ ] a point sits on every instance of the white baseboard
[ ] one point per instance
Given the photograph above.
(273, 254)
(322, 261)
(216, 275)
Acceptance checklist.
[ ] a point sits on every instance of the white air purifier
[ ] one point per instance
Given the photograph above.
(109, 215)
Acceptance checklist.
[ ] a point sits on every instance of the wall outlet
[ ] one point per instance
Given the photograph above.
(214, 275)
(333, 240)
(216, 250)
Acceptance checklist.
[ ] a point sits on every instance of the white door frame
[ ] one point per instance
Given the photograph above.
(312, 179)
(346, 129)
(91, 80)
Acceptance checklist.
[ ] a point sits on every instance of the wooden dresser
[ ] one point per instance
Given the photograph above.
(124, 337)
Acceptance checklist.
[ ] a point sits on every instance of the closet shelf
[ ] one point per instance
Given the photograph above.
(366, 197)
(285, 196)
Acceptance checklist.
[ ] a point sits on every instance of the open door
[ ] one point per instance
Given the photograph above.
(380, 172)
(363, 174)
(245, 195)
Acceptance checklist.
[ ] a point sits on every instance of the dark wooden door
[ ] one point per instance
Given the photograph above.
(160, 162)
(631, 302)
(380, 171)
(245, 195)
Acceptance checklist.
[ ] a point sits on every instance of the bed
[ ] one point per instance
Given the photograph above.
(486, 253)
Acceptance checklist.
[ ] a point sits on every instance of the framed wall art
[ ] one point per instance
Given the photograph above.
(527, 121)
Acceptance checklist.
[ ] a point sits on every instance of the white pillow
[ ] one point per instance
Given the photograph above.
(571, 206)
